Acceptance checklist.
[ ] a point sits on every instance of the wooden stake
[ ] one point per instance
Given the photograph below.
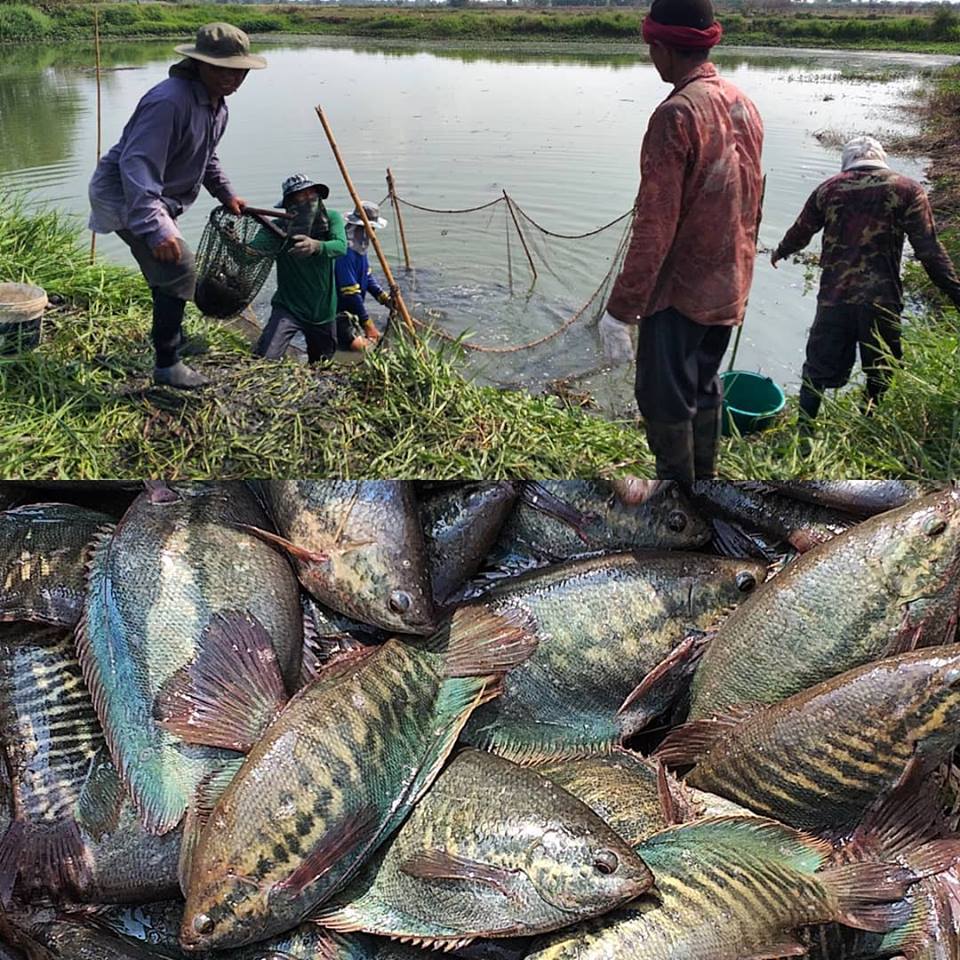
(523, 241)
(371, 233)
(396, 206)
(96, 41)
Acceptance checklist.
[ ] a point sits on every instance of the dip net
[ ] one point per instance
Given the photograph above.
(234, 260)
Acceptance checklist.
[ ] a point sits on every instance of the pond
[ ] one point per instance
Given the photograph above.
(557, 128)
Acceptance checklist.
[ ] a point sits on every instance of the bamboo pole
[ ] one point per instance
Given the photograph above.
(371, 233)
(391, 186)
(96, 42)
(523, 241)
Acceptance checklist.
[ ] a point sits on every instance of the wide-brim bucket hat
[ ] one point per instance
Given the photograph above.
(300, 181)
(223, 45)
(353, 218)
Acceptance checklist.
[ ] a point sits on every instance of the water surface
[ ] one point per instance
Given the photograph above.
(559, 130)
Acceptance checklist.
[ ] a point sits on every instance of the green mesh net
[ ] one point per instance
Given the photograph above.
(234, 260)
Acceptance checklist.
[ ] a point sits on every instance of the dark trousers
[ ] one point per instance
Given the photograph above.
(836, 334)
(677, 365)
(282, 327)
(171, 285)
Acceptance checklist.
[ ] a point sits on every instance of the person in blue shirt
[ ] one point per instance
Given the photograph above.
(356, 330)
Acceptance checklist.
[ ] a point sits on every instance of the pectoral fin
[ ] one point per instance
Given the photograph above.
(442, 865)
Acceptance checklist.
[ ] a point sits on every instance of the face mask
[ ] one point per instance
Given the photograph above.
(303, 217)
(358, 239)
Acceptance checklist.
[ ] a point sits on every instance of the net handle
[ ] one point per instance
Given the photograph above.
(259, 216)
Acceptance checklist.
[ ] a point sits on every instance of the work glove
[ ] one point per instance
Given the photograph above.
(385, 298)
(304, 246)
(615, 340)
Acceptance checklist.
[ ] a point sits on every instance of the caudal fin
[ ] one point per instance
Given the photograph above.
(49, 857)
(869, 896)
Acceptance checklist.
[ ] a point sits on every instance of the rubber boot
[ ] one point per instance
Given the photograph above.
(180, 376)
(672, 445)
(809, 407)
(706, 435)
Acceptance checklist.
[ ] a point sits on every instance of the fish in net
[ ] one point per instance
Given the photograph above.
(235, 257)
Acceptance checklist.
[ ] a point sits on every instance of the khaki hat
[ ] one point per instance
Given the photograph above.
(372, 210)
(223, 45)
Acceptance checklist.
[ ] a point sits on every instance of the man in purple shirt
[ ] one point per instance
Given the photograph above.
(168, 150)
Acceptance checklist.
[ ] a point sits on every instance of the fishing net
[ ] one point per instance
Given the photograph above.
(521, 294)
(233, 261)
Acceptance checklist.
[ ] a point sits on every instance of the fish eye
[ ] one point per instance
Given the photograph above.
(934, 525)
(202, 923)
(400, 601)
(746, 581)
(606, 862)
(677, 521)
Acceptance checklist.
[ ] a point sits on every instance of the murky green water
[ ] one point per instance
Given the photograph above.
(559, 131)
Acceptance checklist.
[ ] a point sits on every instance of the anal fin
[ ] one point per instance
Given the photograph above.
(354, 832)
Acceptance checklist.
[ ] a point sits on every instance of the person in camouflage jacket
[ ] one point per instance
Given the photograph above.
(865, 212)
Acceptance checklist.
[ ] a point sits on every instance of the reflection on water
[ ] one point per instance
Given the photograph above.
(558, 127)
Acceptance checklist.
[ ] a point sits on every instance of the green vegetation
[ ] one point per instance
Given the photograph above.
(82, 406)
(938, 31)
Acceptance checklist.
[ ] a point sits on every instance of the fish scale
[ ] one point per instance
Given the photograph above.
(728, 888)
(175, 560)
(604, 623)
(327, 781)
(513, 855)
(868, 593)
(848, 740)
(42, 550)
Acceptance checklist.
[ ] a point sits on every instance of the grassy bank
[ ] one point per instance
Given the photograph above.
(82, 406)
(937, 32)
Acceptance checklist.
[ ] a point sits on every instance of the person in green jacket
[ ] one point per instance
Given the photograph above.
(306, 297)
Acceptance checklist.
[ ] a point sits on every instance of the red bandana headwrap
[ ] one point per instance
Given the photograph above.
(684, 37)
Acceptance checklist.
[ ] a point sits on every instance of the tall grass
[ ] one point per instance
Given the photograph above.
(82, 406)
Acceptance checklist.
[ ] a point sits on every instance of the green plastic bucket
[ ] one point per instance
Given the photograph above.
(751, 401)
(21, 313)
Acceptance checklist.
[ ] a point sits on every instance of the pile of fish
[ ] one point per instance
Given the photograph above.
(330, 720)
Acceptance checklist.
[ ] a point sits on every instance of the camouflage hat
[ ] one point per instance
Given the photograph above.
(223, 45)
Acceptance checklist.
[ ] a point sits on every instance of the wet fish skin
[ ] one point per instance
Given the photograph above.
(157, 926)
(604, 623)
(623, 789)
(77, 835)
(376, 570)
(802, 525)
(870, 592)
(44, 934)
(665, 522)
(42, 554)
(863, 497)
(461, 526)
(175, 560)
(820, 759)
(725, 889)
(534, 860)
(49, 739)
(329, 779)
